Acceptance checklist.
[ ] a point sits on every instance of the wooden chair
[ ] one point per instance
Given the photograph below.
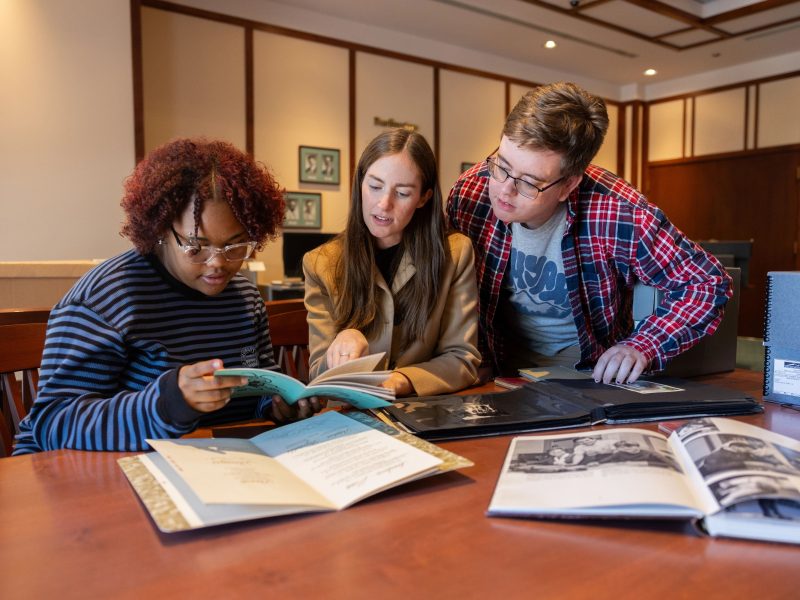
(21, 348)
(12, 316)
(276, 307)
(289, 333)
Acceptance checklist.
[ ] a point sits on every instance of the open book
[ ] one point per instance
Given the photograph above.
(731, 478)
(324, 463)
(355, 381)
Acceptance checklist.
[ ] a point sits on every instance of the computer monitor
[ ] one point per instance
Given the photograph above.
(295, 245)
(731, 253)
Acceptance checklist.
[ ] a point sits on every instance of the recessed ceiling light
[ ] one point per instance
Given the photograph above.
(650, 72)
(549, 44)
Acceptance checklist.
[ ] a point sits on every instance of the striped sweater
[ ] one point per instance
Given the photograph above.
(115, 342)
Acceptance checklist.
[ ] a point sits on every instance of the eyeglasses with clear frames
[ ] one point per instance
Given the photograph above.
(198, 254)
(526, 188)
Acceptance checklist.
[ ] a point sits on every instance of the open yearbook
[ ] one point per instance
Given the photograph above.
(355, 382)
(562, 403)
(324, 463)
(731, 478)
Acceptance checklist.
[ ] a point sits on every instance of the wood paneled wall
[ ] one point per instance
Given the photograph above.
(753, 196)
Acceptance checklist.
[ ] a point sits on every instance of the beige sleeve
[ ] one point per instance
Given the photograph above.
(455, 360)
(321, 327)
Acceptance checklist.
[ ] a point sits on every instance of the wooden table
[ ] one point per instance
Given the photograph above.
(71, 526)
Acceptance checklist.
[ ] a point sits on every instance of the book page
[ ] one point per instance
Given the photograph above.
(736, 463)
(620, 472)
(343, 459)
(359, 365)
(233, 471)
(359, 398)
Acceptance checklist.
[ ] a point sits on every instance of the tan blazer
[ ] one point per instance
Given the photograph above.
(445, 358)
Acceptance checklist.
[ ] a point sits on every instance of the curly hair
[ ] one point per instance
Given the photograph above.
(198, 170)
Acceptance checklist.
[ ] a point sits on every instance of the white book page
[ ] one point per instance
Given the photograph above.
(199, 514)
(359, 365)
(343, 459)
(233, 471)
(621, 472)
(733, 462)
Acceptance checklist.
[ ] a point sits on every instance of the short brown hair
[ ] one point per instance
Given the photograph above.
(198, 171)
(560, 117)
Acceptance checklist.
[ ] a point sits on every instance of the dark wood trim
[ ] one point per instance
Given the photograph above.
(138, 77)
(746, 11)
(351, 68)
(437, 123)
(636, 107)
(712, 157)
(249, 92)
(645, 151)
(621, 141)
(743, 33)
(312, 37)
(756, 108)
(679, 15)
(723, 88)
(683, 132)
(589, 19)
(694, 126)
(746, 114)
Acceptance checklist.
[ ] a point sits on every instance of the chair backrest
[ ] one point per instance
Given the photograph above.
(276, 307)
(12, 316)
(289, 333)
(21, 347)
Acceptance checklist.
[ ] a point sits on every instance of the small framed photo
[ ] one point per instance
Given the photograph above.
(319, 165)
(303, 209)
(465, 166)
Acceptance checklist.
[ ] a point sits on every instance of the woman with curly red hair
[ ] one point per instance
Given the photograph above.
(131, 349)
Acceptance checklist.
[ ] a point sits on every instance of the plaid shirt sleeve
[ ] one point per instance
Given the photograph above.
(622, 237)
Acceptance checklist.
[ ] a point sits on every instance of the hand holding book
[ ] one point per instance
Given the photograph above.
(355, 382)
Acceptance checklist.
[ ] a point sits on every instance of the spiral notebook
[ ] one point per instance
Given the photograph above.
(782, 338)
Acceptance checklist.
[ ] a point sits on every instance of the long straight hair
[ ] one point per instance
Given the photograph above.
(423, 239)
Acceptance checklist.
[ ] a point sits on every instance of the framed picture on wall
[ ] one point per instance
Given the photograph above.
(319, 165)
(303, 209)
(465, 166)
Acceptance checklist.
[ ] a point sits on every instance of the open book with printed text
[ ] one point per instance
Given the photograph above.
(324, 463)
(731, 478)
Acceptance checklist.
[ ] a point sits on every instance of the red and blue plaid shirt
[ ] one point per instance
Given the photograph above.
(614, 238)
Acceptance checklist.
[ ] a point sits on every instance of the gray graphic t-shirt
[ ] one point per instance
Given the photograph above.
(536, 288)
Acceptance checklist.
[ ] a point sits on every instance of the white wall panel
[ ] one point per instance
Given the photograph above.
(389, 88)
(472, 113)
(193, 78)
(779, 112)
(665, 133)
(301, 98)
(719, 122)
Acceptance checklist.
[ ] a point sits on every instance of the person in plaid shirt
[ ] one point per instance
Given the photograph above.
(560, 244)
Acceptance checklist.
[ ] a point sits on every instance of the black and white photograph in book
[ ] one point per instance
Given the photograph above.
(695, 428)
(319, 165)
(718, 453)
(586, 452)
(740, 488)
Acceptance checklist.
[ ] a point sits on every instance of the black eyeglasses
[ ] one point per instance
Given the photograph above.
(526, 188)
(197, 253)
